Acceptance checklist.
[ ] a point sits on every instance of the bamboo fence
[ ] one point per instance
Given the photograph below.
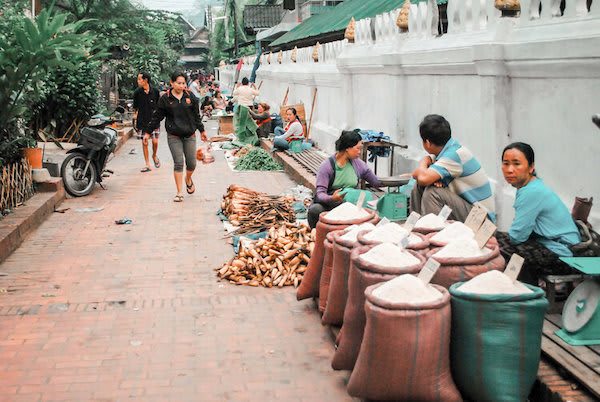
(16, 184)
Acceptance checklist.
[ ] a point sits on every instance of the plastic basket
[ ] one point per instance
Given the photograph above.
(92, 138)
(296, 146)
(393, 205)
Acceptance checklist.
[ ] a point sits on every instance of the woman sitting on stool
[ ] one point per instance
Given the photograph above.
(293, 131)
(543, 229)
(342, 170)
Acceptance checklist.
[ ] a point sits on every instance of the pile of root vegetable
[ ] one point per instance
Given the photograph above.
(280, 259)
(255, 158)
(255, 212)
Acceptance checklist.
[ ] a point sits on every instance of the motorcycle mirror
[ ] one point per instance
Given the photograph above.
(94, 122)
(120, 109)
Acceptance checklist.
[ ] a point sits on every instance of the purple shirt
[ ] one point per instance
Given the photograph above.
(326, 173)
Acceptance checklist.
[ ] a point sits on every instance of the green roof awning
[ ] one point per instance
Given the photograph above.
(338, 17)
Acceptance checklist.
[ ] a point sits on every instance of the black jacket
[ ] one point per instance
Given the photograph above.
(183, 116)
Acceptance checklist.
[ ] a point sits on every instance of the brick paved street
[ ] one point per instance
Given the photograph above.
(99, 311)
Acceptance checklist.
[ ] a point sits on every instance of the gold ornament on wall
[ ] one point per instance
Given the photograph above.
(315, 54)
(508, 5)
(294, 52)
(280, 56)
(222, 63)
(269, 57)
(402, 20)
(349, 34)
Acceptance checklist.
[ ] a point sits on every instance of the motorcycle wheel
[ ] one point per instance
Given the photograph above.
(71, 172)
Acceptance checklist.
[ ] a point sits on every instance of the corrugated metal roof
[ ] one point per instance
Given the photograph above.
(338, 17)
(262, 16)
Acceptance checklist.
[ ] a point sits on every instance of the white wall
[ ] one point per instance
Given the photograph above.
(497, 80)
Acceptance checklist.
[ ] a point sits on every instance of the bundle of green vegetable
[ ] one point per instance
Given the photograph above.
(257, 159)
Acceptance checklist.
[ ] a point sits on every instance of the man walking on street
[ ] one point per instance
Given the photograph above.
(145, 100)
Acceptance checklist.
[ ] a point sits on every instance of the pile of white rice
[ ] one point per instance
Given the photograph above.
(454, 231)
(494, 283)
(407, 289)
(389, 233)
(346, 212)
(430, 221)
(462, 248)
(389, 255)
(352, 231)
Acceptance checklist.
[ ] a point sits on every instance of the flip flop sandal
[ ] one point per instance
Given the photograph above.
(156, 162)
(146, 169)
(189, 188)
(178, 198)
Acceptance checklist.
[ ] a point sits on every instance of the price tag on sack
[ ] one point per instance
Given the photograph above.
(411, 221)
(513, 268)
(429, 269)
(484, 233)
(403, 242)
(476, 217)
(445, 212)
(361, 199)
(382, 222)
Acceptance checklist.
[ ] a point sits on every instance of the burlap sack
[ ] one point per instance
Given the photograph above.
(362, 275)
(338, 285)
(326, 270)
(310, 283)
(405, 352)
(454, 270)
(421, 247)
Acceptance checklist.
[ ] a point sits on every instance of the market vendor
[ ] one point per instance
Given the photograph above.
(292, 131)
(450, 175)
(262, 119)
(543, 229)
(243, 125)
(342, 170)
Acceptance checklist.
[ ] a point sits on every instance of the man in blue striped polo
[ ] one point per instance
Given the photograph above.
(450, 175)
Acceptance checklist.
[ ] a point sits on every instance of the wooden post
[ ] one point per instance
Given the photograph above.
(260, 85)
(312, 109)
(285, 97)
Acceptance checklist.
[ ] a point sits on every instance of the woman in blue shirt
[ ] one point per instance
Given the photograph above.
(543, 228)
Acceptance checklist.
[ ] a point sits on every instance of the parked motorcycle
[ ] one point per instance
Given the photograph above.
(85, 164)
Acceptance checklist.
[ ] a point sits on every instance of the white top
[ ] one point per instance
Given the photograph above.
(244, 94)
(293, 130)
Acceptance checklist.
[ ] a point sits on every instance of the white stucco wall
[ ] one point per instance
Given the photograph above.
(496, 80)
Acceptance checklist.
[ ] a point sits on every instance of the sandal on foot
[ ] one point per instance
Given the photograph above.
(156, 162)
(190, 188)
(178, 198)
(146, 169)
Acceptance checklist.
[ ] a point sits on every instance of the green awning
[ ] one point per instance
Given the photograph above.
(338, 17)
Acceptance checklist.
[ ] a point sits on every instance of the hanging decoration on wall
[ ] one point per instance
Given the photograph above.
(402, 20)
(269, 57)
(280, 56)
(294, 52)
(315, 54)
(349, 34)
(507, 5)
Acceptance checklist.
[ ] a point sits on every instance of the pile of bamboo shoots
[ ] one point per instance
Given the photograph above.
(280, 259)
(255, 212)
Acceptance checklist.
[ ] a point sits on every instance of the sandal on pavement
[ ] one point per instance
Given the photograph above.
(178, 198)
(146, 169)
(156, 162)
(190, 188)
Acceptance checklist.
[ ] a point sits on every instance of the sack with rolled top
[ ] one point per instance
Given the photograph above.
(363, 274)
(326, 271)
(495, 343)
(338, 285)
(405, 351)
(312, 278)
(463, 268)
(417, 242)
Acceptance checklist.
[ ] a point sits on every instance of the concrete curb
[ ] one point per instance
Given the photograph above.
(16, 226)
(295, 170)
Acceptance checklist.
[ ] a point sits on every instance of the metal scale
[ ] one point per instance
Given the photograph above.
(581, 312)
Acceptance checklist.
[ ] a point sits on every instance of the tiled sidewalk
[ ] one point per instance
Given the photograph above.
(98, 311)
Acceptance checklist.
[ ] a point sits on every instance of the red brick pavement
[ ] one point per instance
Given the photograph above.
(99, 311)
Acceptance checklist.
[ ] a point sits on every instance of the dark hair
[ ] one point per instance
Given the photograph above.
(293, 110)
(436, 129)
(348, 139)
(525, 149)
(176, 75)
(265, 106)
(145, 76)
(245, 81)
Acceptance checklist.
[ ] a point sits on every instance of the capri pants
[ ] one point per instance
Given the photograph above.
(181, 146)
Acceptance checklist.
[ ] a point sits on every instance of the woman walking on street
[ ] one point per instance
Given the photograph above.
(180, 107)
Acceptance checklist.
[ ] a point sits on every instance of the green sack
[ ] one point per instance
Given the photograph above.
(495, 343)
(393, 205)
(351, 195)
(244, 126)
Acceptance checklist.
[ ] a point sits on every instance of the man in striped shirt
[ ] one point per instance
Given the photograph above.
(450, 175)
